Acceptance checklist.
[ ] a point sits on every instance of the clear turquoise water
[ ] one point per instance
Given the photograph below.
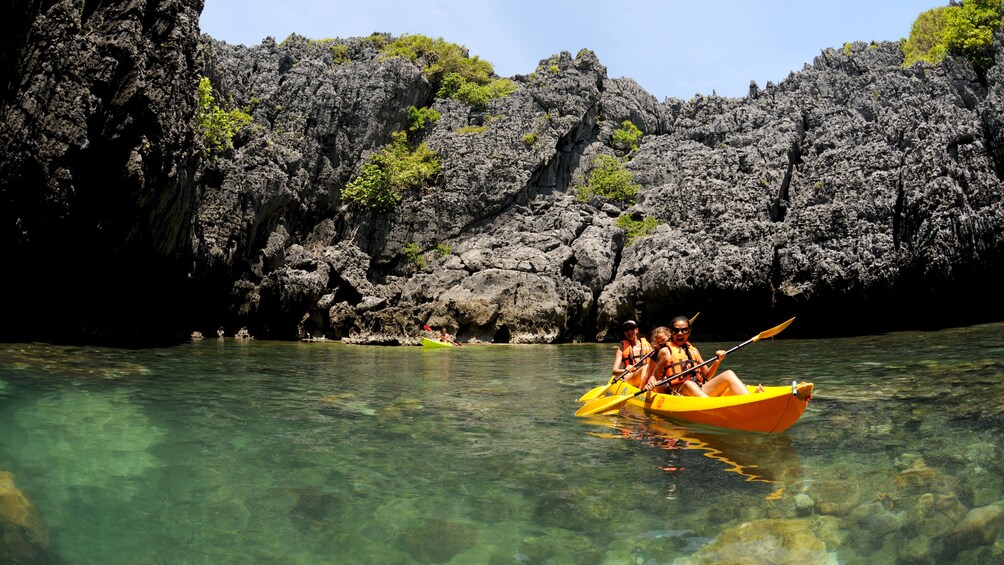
(268, 452)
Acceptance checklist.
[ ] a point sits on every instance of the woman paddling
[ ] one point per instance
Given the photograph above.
(629, 356)
(676, 355)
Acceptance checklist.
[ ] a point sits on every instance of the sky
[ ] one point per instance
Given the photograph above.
(672, 48)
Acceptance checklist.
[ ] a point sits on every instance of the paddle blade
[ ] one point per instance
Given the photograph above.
(594, 393)
(773, 331)
(694, 318)
(601, 405)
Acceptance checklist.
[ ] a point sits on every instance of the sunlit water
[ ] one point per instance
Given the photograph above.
(267, 452)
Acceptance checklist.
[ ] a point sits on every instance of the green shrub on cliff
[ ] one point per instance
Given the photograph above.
(636, 227)
(965, 30)
(627, 137)
(413, 256)
(340, 54)
(450, 70)
(417, 118)
(458, 87)
(609, 179)
(438, 58)
(216, 126)
(395, 168)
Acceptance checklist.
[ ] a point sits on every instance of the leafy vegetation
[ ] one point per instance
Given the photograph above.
(450, 70)
(439, 58)
(627, 137)
(609, 179)
(395, 168)
(458, 87)
(417, 118)
(216, 125)
(965, 30)
(377, 40)
(531, 138)
(340, 53)
(413, 256)
(636, 227)
(470, 129)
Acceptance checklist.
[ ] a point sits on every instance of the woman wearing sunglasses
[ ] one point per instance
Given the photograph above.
(676, 355)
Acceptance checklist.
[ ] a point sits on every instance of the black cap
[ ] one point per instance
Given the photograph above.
(630, 324)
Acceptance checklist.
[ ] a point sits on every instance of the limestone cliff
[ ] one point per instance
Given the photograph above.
(856, 194)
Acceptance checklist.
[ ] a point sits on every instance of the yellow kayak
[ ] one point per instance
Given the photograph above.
(435, 343)
(773, 410)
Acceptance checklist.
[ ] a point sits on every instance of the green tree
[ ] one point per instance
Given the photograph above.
(965, 30)
(395, 168)
(476, 94)
(609, 179)
(216, 125)
(417, 118)
(438, 58)
(413, 256)
(627, 137)
(636, 227)
(451, 71)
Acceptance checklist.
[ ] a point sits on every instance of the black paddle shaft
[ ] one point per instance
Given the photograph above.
(695, 367)
(621, 376)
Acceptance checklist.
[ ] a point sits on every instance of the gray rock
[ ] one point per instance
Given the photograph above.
(852, 185)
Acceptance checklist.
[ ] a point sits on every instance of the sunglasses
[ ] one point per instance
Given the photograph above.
(680, 330)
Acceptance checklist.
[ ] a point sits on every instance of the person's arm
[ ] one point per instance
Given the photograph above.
(618, 362)
(651, 372)
(710, 370)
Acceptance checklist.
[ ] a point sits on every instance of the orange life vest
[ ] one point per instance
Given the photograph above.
(681, 359)
(627, 352)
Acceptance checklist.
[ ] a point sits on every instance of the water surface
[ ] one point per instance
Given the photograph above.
(269, 452)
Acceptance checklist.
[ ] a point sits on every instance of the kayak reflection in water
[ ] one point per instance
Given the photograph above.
(759, 458)
(676, 354)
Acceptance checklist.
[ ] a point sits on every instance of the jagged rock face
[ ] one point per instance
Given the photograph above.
(95, 181)
(837, 195)
(500, 181)
(843, 189)
(847, 195)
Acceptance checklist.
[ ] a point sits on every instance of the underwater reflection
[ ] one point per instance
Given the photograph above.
(763, 458)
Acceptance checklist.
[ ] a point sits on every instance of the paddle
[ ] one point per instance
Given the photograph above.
(601, 405)
(601, 390)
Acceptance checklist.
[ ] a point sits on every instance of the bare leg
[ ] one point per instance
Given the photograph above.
(725, 383)
(690, 388)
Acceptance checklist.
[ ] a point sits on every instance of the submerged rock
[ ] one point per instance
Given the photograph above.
(23, 536)
(770, 542)
(438, 541)
(981, 526)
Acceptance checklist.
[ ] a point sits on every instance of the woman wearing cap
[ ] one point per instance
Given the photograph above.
(676, 355)
(629, 356)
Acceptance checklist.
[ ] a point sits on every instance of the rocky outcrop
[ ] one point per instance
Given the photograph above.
(853, 189)
(842, 189)
(96, 194)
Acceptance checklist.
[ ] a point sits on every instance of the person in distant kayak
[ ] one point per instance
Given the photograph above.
(676, 355)
(629, 356)
(445, 337)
